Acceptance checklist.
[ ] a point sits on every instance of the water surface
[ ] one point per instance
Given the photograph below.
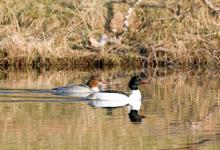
(181, 109)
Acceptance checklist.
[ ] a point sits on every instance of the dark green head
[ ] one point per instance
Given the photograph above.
(135, 82)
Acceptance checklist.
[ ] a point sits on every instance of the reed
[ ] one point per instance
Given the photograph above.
(188, 35)
(55, 33)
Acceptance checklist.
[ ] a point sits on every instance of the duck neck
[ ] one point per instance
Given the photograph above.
(135, 100)
(135, 93)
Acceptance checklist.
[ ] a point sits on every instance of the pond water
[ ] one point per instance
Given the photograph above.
(181, 109)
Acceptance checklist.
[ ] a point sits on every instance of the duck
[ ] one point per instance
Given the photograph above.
(113, 98)
(83, 90)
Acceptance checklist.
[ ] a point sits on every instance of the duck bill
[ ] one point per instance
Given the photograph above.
(145, 82)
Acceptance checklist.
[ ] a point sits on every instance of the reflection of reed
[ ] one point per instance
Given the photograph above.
(181, 107)
(185, 103)
(48, 79)
(72, 127)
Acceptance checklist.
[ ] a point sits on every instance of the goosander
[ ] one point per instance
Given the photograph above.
(82, 90)
(117, 98)
(109, 99)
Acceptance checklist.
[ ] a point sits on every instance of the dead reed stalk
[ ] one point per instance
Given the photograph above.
(57, 32)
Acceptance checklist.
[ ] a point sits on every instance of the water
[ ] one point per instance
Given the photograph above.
(181, 109)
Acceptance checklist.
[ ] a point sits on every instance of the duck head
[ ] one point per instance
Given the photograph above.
(94, 83)
(135, 82)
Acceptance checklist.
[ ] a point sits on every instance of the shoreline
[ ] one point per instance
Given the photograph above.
(89, 59)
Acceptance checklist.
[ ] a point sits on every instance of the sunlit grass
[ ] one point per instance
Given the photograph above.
(35, 33)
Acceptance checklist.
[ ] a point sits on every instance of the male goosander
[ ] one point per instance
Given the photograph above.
(82, 90)
(117, 98)
(109, 99)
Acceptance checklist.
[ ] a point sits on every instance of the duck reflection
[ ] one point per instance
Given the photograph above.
(134, 116)
(110, 105)
(114, 99)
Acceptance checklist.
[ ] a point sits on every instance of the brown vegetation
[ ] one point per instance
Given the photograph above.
(55, 33)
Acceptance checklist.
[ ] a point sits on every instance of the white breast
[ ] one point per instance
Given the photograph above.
(135, 100)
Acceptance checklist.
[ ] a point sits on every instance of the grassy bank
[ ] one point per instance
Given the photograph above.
(56, 33)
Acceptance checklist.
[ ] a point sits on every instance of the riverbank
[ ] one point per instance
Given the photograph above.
(56, 33)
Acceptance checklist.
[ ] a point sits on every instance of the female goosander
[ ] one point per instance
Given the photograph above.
(82, 90)
(117, 98)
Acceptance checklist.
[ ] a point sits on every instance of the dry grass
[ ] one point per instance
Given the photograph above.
(190, 37)
(36, 33)
(48, 32)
